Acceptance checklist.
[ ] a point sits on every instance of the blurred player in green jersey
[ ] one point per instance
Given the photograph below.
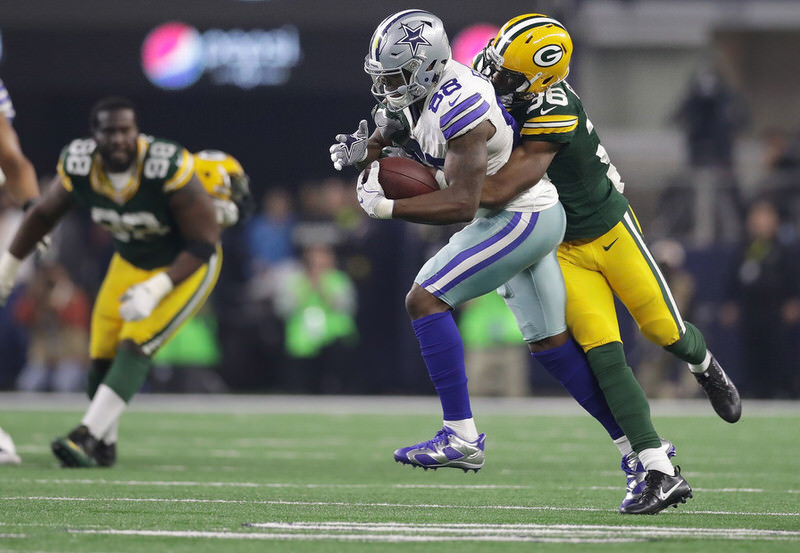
(166, 262)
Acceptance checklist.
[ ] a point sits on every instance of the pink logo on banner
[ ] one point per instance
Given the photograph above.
(172, 56)
(472, 40)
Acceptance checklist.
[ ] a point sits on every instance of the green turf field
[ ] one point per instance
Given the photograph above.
(316, 474)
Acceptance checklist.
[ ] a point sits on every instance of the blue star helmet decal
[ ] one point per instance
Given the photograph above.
(413, 37)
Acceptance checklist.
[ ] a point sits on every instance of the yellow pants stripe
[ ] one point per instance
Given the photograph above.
(630, 222)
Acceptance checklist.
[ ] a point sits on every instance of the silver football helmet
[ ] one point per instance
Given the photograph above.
(407, 55)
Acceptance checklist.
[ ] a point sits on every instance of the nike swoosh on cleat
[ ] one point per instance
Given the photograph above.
(606, 248)
(664, 495)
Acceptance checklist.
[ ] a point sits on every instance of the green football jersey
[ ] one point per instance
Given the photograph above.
(588, 184)
(138, 214)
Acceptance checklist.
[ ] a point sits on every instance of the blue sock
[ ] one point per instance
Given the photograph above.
(443, 352)
(567, 364)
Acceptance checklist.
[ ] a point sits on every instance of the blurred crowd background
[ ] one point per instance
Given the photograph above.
(695, 102)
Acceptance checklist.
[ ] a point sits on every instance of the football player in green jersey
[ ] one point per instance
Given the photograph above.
(603, 253)
(166, 260)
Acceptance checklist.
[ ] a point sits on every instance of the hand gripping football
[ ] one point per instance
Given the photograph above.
(402, 177)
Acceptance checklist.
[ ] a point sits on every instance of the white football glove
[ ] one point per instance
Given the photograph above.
(350, 148)
(139, 300)
(371, 197)
(391, 128)
(9, 266)
(227, 212)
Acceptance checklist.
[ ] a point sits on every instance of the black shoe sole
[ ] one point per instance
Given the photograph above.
(657, 508)
(68, 456)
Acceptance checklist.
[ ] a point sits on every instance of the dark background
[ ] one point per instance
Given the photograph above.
(58, 58)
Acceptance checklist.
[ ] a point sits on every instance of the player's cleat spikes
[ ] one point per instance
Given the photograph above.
(75, 450)
(721, 392)
(446, 449)
(660, 491)
(635, 474)
(105, 455)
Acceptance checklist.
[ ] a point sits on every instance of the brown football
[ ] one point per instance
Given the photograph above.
(402, 177)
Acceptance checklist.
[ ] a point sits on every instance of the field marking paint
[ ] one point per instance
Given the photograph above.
(404, 532)
(217, 484)
(456, 528)
(368, 505)
(361, 537)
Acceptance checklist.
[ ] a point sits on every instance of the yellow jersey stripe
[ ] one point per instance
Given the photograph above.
(549, 124)
(66, 182)
(183, 174)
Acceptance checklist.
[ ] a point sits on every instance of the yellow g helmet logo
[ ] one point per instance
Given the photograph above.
(216, 171)
(530, 53)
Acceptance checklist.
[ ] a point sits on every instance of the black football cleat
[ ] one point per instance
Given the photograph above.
(660, 491)
(77, 449)
(105, 455)
(721, 392)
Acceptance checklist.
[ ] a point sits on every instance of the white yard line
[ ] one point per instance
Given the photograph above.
(365, 505)
(405, 532)
(360, 537)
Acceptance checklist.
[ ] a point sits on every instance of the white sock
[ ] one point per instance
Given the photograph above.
(623, 445)
(701, 368)
(655, 458)
(464, 429)
(110, 437)
(105, 409)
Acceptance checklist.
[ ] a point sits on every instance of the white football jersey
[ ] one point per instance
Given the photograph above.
(6, 107)
(461, 101)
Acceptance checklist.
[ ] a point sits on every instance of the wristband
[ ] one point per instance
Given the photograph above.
(160, 285)
(384, 208)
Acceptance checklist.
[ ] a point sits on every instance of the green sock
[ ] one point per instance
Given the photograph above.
(624, 395)
(127, 374)
(691, 347)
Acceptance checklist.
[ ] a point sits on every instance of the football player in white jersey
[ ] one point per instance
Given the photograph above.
(19, 178)
(16, 171)
(447, 116)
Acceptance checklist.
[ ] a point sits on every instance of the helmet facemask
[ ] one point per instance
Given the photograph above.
(505, 81)
(530, 54)
(397, 88)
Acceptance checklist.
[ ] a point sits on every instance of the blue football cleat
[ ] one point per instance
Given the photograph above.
(445, 450)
